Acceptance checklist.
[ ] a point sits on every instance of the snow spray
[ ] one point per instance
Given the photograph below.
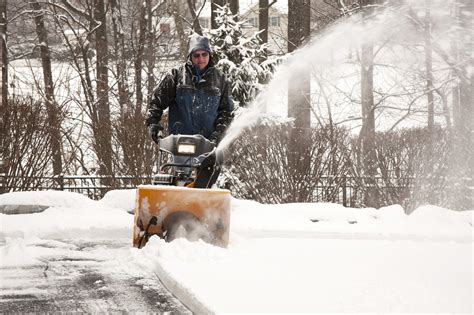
(333, 59)
(397, 34)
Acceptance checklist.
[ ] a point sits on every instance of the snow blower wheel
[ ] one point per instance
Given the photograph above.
(182, 224)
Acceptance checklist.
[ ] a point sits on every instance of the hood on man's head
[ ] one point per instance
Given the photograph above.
(197, 42)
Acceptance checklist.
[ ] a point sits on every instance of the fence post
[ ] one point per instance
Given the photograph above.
(61, 181)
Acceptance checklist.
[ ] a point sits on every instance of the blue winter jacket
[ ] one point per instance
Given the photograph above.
(198, 103)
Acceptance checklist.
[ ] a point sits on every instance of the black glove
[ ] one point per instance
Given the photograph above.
(214, 138)
(209, 160)
(155, 132)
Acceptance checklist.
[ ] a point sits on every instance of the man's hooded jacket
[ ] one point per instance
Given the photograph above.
(199, 103)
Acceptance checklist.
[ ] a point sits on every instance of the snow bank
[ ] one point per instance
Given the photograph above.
(71, 211)
(331, 220)
(36, 201)
(59, 222)
(281, 258)
(123, 199)
(67, 215)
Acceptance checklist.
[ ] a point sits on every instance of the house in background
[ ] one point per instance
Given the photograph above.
(277, 26)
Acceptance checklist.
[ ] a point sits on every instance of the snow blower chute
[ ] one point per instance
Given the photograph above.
(171, 207)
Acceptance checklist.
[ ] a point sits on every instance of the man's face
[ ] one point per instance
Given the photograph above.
(200, 58)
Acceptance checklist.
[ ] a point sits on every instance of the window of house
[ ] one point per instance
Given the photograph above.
(204, 23)
(275, 21)
(253, 22)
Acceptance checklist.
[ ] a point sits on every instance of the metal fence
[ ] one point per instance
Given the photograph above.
(348, 191)
(93, 186)
(353, 191)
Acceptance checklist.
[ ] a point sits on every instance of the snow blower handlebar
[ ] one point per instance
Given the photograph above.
(201, 150)
(186, 145)
(211, 158)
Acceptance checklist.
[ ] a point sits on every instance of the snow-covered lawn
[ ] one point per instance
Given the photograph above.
(281, 258)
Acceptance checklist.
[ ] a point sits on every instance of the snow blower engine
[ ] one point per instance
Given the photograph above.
(171, 207)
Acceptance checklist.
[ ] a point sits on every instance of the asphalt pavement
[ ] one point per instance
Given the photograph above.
(75, 281)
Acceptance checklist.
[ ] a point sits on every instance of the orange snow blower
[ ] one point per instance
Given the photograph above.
(171, 208)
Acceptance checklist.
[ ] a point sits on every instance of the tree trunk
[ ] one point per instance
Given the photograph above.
(151, 56)
(466, 87)
(4, 112)
(142, 25)
(367, 133)
(263, 21)
(299, 97)
(463, 160)
(429, 69)
(214, 4)
(3, 56)
(102, 125)
(119, 46)
(234, 6)
(299, 84)
(367, 88)
(51, 105)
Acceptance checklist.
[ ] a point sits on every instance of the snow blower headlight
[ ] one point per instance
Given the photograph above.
(186, 148)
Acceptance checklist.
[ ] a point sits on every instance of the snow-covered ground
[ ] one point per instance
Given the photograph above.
(289, 258)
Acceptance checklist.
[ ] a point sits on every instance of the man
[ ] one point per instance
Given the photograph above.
(199, 100)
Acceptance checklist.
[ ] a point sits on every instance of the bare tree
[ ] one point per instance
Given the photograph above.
(91, 32)
(299, 89)
(324, 12)
(151, 39)
(195, 25)
(119, 55)
(367, 132)
(466, 76)
(429, 65)
(54, 112)
(3, 54)
(133, 143)
(177, 10)
(463, 160)
(101, 122)
(142, 31)
(4, 112)
(299, 85)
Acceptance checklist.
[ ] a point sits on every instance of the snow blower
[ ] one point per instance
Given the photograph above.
(171, 207)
